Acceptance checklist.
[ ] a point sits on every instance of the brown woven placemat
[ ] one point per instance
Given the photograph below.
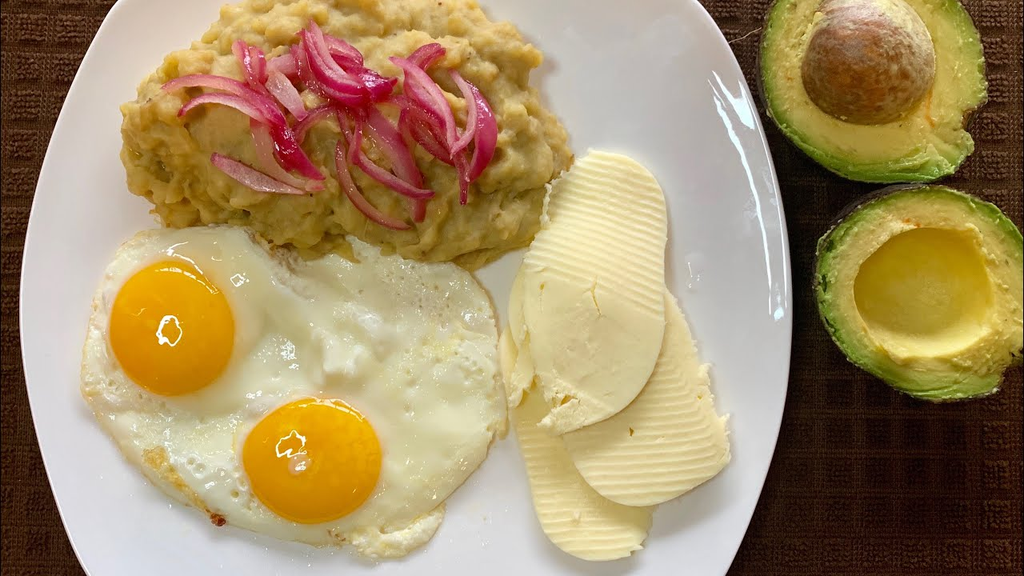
(864, 481)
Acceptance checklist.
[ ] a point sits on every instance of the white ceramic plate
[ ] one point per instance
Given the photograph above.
(654, 79)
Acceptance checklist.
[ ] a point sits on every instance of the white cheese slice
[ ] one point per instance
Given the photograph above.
(592, 290)
(520, 371)
(516, 368)
(507, 354)
(522, 376)
(573, 516)
(516, 320)
(668, 440)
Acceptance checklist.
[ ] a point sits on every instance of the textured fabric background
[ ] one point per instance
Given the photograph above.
(864, 481)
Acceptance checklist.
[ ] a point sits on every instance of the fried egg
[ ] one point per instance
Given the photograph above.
(325, 401)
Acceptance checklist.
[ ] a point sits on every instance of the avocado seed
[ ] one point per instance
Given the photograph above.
(868, 61)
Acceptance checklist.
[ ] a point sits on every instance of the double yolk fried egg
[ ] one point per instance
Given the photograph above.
(323, 401)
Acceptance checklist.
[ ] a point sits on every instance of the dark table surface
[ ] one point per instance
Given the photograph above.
(864, 480)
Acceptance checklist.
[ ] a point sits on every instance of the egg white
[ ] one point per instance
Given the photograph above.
(410, 345)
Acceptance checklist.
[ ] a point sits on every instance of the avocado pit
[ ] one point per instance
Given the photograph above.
(868, 61)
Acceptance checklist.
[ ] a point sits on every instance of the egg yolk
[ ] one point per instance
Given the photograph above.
(313, 460)
(171, 329)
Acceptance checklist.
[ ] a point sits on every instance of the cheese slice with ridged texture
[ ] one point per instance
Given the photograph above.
(668, 440)
(592, 290)
(572, 515)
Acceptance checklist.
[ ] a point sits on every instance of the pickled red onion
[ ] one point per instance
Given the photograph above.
(250, 177)
(348, 186)
(344, 53)
(285, 64)
(282, 89)
(312, 118)
(357, 157)
(390, 142)
(253, 62)
(265, 149)
(335, 70)
(471, 112)
(422, 90)
(239, 103)
(291, 154)
(425, 56)
(485, 140)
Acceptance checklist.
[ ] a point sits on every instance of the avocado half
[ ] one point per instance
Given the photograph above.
(923, 286)
(874, 90)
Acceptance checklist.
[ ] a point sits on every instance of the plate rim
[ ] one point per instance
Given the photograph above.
(31, 239)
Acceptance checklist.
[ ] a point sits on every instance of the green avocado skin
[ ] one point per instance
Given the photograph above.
(944, 385)
(893, 173)
(903, 170)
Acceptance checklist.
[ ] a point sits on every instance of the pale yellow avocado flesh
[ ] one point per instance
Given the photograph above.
(931, 141)
(923, 288)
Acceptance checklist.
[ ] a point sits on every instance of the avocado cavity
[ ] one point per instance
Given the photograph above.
(924, 292)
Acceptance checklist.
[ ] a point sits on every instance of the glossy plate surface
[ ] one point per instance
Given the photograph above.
(655, 80)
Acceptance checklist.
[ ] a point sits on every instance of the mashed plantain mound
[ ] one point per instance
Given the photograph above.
(167, 158)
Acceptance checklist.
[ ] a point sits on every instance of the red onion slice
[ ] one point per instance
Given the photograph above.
(486, 138)
(335, 61)
(265, 149)
(418, 208)
(253, 63)
(348, 186)
(250, 177)
(259, 63)
(344, 53)
(379, 87)
(285, 64)
(237, 102)
(282, 89)
(471, 112)
(291, 154)
(323, 65)
(241, 51)
(415, 125)
(343, 94)
(387, 138)
(313, 117)
(302, 69)
(425, 56)
(269, 111)
(426, 116)
(422, 89)
(261, 109)
(357, 157)
(388, 179)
